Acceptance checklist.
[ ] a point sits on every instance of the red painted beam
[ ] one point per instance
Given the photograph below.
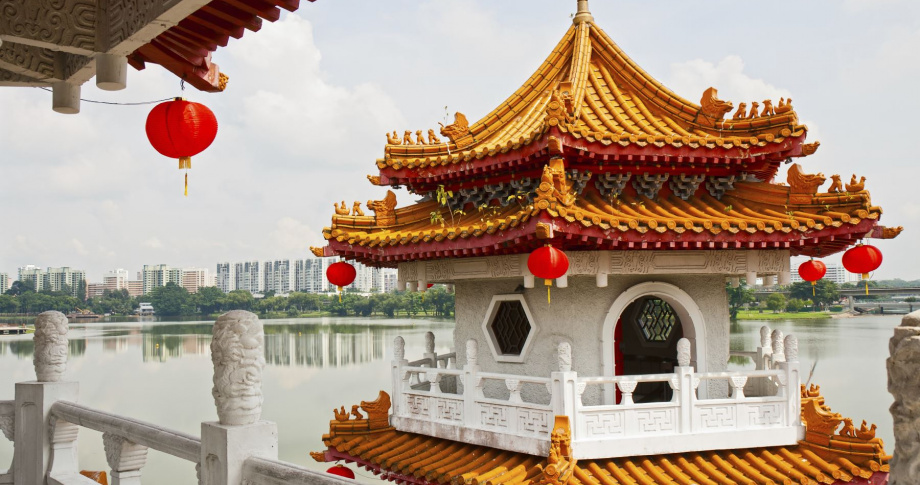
(232, 14)
(256, 7)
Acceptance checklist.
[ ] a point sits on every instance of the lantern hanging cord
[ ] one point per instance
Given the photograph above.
(112, 102)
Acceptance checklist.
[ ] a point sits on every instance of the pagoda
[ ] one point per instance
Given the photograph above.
(658, 204)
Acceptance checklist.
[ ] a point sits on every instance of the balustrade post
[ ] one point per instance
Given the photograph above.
(764, 354)
(125, 458)
(566, 391)
(790, 390)
(399, 383)
(32, 452)
(778, 355)
(430, 354)
(237, 351)
(472, 384)
(682, 384)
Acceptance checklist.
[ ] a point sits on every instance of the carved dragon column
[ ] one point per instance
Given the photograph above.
(904, 385)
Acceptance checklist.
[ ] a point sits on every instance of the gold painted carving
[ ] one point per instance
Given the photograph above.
(712, 107)
(866, 433)
(374, 179)
(432, 139)
(803, 183)
(784, 106)
(855, 186)
(558, 111)
(544, 231)
(318, 456)
(836, 185)
(767, 108)
(741, 112)
(553, 188)
(384, 210)
(222, 81)
(560, 463)
(419, 138)
(407, 138)
(393, 139)
(377, 418)
(341, 210)
(891, 232)
(554, 145)
(356, 209)
(341, 415)
(458, 129)
(318, 252)
(810, 148)
(754, 106)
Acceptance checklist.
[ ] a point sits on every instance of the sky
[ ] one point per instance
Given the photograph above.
(312, 95)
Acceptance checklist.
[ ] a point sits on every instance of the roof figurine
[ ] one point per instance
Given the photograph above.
(622, 379)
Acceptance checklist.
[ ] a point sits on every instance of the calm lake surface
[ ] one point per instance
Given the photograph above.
(161, 372)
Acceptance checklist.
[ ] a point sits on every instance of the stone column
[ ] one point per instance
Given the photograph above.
(238, 354)
(33, 432)
(904, 385)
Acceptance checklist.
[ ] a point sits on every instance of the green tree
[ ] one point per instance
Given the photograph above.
(171, 300)
(738, 297)
(795, 305)
(776, 302)
(209, 299)
(239, 300)
(825, 292)
(9, 304)
(20, 287)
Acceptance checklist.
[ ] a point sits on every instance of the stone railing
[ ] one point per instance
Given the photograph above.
(686, 423)
(44, 420)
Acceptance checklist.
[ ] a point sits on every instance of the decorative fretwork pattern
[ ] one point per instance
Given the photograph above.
(510, 327)
(579, 180)
(649, 184)
(656, 319)
(684, 186)
(611, 185)
(517, 191)
(717, 186)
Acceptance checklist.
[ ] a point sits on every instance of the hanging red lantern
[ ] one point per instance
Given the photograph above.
(342, 471)
(862, 259)
(548, 263)
(812, 271)
(341, 274)
(181, 129)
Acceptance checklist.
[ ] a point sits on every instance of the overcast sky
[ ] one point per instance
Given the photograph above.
(311, 96)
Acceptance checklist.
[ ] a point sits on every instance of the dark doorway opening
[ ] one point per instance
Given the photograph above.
(645, 342)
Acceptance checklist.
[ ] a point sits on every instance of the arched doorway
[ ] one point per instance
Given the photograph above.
(645, 342)
(686, 312)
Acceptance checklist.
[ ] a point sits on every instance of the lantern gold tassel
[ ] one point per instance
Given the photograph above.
(549, 284)
(865, 277)
(185, 163)
(186, 184)
(812, 288)
(340, 294)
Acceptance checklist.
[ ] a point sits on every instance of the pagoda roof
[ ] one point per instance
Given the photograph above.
(586, 216)
(596, 99)
(823, 457)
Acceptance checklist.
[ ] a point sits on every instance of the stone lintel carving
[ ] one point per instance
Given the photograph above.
(27, 60)
(683, 352)
(50, 358)
(65, 25)
(589, 263)
(238, 357)
(564, 356)
(9, 78)
(123, 455)
(904, 384)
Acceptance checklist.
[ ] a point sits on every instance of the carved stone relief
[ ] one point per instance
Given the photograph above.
(50, 358)
(67, 24)
(584, 262)
(238, 357)
(32, 61)
(503, 266)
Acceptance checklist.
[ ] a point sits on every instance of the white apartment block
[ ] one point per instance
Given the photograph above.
(55, 279)
(224, 278)
(247, 276)
(835, 272)
(158, 275)
(277, 276)
(4, 283)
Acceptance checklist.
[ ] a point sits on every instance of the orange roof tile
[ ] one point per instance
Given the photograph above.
(413, 458)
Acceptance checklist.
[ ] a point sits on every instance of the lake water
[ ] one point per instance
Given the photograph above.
(161, 372)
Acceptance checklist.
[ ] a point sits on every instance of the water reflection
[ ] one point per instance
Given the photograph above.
(318, 345)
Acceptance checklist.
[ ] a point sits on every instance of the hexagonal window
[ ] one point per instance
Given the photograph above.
(510, 328)
(656, 319)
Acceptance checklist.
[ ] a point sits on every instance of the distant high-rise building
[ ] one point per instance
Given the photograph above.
(247, 277)
(94, 290)
(835, 272)
(277, 276)
(33, 276)
(73, 281)
(135, 287)
(4, 283)
(158, 275)
(224, 278)
(195, 278)
(115, 280)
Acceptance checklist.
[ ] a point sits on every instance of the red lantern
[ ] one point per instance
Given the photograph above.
(342, 471)
(812, 271)
(548, 263)
(862, 259)
(341, 274)
(181, 129)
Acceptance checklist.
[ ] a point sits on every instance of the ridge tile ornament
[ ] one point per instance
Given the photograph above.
(238, 357)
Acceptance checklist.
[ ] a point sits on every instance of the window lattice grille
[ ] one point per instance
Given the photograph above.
(656, 319)
(510, 327)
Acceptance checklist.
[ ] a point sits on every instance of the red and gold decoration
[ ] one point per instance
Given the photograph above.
(341, 274)
(548, 263)
(181, 129)
(812, 271)
(862, 259)
(342, 471)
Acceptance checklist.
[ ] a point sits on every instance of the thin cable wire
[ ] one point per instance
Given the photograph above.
(113, 103)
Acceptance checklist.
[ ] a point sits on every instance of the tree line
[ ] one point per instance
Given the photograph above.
(802, 295)
(173, 300)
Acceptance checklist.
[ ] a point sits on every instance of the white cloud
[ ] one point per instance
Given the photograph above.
(291, 236)
(728, 76)
(153, 243)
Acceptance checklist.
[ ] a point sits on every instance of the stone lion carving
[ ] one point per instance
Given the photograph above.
(50, 358)
(238, 357)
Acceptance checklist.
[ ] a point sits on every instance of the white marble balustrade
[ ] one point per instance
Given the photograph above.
(421, 404)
